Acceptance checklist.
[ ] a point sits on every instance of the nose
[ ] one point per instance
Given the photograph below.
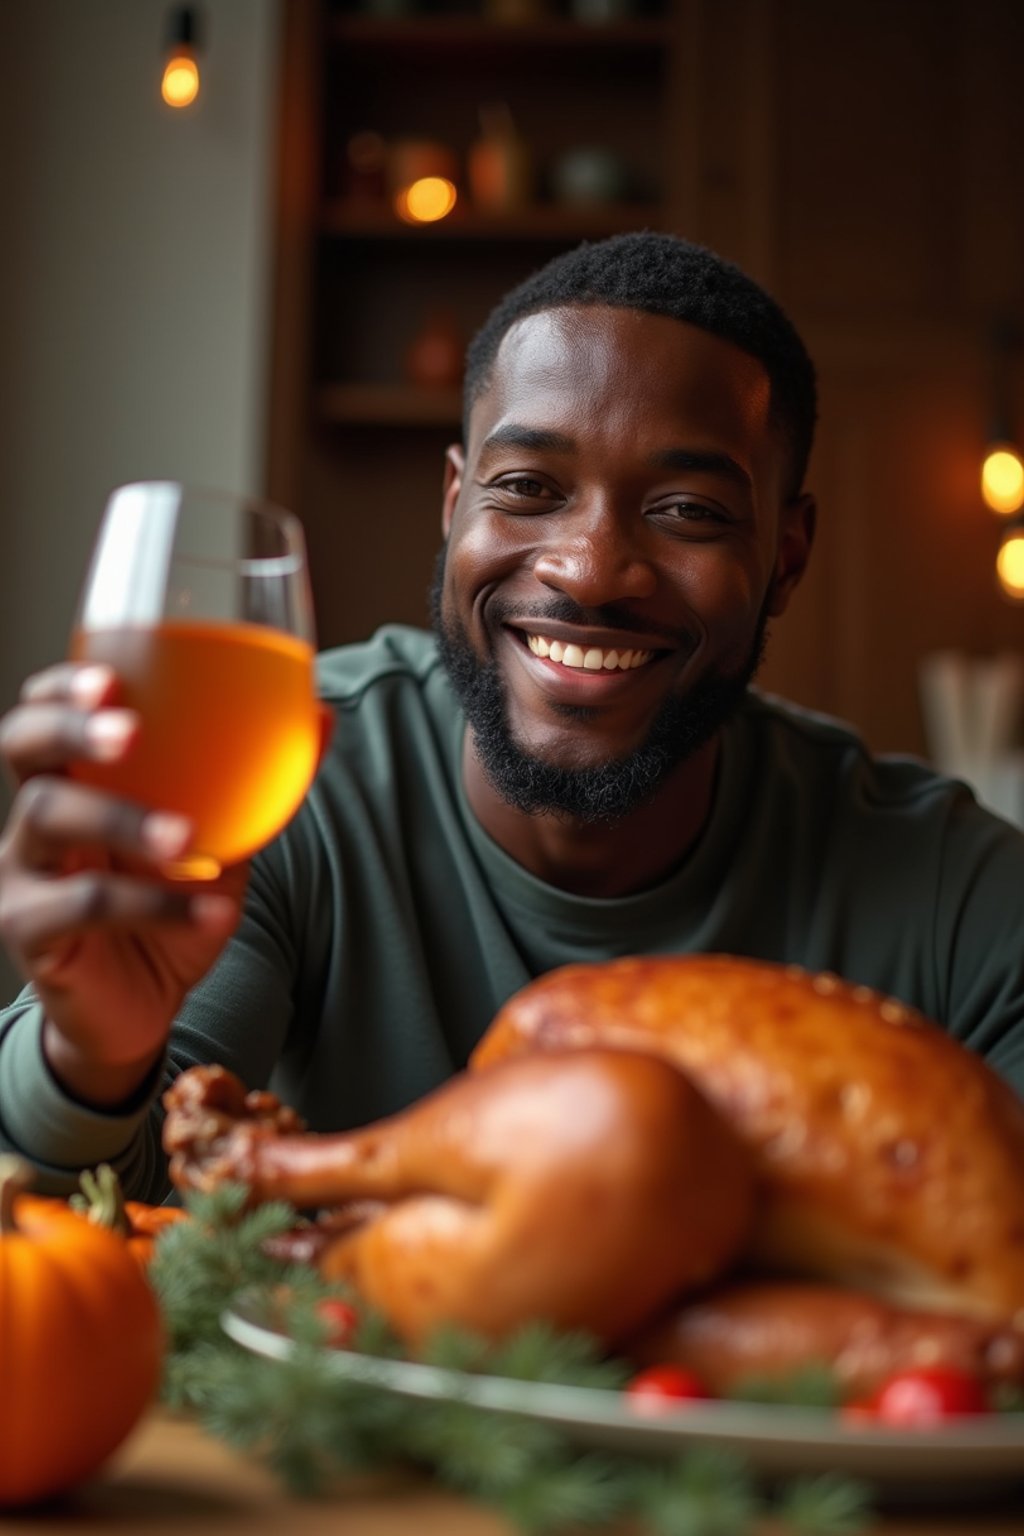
(596, 559)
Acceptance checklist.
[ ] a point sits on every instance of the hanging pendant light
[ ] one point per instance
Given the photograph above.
(179, 85)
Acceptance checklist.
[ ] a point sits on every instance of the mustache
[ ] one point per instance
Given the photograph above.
(563, 610)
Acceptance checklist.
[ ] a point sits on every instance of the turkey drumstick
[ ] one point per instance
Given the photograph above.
(586, 1188)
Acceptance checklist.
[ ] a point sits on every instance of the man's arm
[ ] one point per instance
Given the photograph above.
(238, 1015)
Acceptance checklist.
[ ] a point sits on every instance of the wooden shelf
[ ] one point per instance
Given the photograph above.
(426, 32)
(541, 222)
(389, 405)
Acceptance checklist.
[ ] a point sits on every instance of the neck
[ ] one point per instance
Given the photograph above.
(595, 860)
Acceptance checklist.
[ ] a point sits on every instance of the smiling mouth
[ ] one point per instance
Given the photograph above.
(591, 658)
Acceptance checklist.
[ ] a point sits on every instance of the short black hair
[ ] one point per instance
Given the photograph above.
(664, 274)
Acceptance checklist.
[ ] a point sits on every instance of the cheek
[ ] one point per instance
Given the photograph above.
(480, 551)
(724, 594)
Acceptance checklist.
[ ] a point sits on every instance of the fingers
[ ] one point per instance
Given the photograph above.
(69, 682)
(66, 712)
(76, 860)
(52, 913)
(55, 820)
(46, 737)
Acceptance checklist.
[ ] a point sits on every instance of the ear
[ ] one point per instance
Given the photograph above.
(454, 468)
(796, 535)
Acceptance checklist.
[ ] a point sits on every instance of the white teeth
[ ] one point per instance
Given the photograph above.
(593, 659)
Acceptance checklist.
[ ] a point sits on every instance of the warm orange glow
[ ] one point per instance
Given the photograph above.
(1002, 479)
(1010, 565)
(428, 199)
(180, 84)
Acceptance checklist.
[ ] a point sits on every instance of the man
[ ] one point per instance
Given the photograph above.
(573, 767)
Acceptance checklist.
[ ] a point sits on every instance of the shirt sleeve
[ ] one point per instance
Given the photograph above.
(41, 1123)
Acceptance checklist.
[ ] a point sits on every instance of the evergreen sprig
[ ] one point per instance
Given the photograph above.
(708, 1492)
(312, 1426)
(836, 1506)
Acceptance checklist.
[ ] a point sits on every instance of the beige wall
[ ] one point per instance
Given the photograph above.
(134, 282)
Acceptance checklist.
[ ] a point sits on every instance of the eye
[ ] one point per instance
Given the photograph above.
(523, 485)
(684, 515)
(694, 511)
(525, 493)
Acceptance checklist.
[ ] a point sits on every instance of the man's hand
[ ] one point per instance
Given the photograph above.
(110, 944)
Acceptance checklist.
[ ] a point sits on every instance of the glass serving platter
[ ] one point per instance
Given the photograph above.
(971, 1458)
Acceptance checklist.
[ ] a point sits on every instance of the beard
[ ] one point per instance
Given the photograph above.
(601, 794)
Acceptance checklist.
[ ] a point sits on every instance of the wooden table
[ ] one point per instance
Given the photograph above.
(171, 1477)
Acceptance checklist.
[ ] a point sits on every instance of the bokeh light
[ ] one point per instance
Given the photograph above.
(426, 200)
(180, 84)
(1002, 479)
(1010, 565)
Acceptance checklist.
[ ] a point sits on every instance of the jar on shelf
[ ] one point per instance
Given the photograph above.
(365, 171)
(435, 356)
(589, 176)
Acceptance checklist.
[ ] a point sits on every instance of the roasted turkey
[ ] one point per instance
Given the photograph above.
(889, 1157)
(587, 1188)
(739, 1166)
(769, 1331)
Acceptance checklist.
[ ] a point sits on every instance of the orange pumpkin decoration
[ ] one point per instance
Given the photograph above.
(145, 1223)
(140, 1224)
(81, 1343)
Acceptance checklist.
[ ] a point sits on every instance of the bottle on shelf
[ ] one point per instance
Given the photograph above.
(499, 165)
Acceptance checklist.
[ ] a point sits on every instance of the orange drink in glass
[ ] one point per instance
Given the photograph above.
(200, 603)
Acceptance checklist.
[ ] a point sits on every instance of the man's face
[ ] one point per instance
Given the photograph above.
(616, 541)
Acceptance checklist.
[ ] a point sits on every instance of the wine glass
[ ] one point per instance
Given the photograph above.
(200, 602)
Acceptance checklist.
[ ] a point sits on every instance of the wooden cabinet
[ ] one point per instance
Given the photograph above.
(555, 94)
(357, 443)
(862, 160)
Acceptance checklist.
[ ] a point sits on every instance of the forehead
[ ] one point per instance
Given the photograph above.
(594, 364)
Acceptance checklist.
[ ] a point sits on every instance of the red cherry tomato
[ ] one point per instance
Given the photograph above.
(341, 1319)
(661, 1388)
(927, 1394)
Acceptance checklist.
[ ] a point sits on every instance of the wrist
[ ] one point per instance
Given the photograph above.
(102, 1085)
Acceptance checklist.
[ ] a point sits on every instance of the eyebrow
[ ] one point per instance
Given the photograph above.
(709, 463)
(538, 438)
(513, 436)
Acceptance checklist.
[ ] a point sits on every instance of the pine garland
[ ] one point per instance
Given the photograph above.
(312, 1427)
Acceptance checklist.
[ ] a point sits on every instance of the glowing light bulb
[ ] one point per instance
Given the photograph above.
(1002, 479)
(180, 84)
(426, 200)
(1010, 565)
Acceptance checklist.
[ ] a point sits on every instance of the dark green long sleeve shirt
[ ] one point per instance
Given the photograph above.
(383, 928)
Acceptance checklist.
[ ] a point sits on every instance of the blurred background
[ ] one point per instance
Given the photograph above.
(268, 289)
